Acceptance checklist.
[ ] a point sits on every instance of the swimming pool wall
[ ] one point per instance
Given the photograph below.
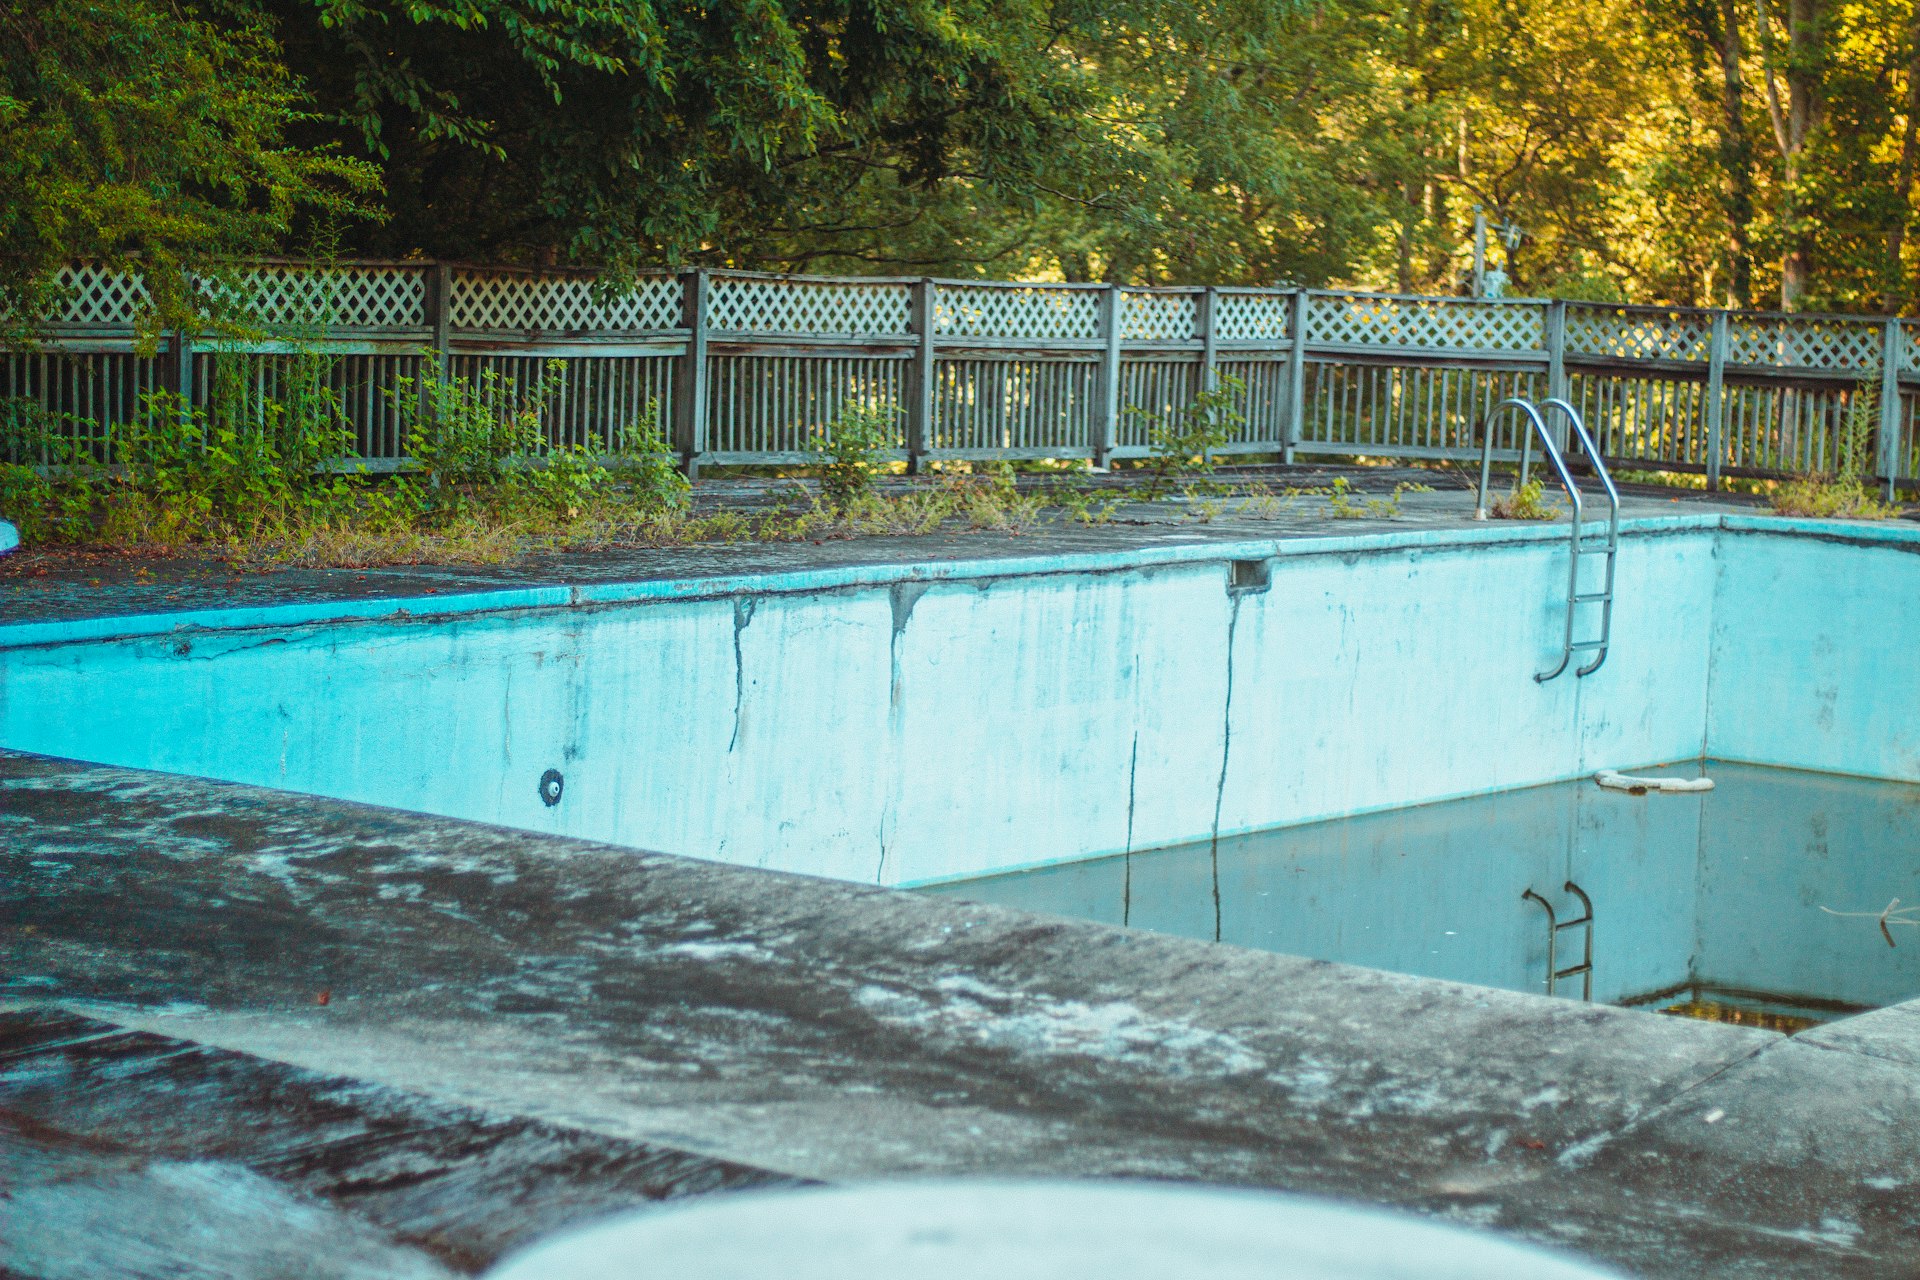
(907, 724)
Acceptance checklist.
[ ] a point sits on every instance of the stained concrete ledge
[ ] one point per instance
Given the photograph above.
(55, 595)
(780, 1026)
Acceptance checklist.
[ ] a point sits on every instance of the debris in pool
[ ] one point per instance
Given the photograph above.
(1637, 786)
(1892, 913)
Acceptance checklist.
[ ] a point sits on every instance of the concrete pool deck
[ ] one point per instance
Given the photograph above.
(42, 587)
(420, 1041)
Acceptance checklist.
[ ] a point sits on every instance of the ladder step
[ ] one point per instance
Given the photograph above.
(1586, 644)
(1591, 598)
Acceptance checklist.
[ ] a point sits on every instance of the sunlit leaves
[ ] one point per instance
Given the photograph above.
(139, 126)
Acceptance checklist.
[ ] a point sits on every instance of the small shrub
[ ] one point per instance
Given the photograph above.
(848, 454)
(1182, 443)
(1831, 498)
(1845, 495)
(1525, 502)
(644, 466)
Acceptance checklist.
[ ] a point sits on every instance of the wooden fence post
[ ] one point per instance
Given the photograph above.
(1718, 344)
(1206, 308)
(1104, 430)
(440, 314)
(1556, 335)
(690, 374)
(439, 309)
(1293, 423)
(1891, 351)
(1203, 313)
(920, 377)
(180, 367)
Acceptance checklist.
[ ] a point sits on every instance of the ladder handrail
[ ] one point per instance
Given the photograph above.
(1592, 450)
(1546, 439)
(1577, 531)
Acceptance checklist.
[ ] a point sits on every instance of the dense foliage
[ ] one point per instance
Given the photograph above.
(1745, 151)
(140, 126)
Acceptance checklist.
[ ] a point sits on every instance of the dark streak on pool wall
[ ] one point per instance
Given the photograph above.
(975, 717)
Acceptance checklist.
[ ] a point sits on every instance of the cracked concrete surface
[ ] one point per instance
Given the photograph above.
(747, 1025)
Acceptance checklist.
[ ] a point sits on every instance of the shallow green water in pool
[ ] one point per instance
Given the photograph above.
(1726, 893)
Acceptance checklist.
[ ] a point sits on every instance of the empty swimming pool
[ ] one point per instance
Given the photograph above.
(1765, 892)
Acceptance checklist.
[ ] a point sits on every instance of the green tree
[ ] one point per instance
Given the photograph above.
(142, 127)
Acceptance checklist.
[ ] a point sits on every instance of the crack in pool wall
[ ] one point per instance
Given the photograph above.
(743, 607)
(1226, 747)
(1126, 875)
(901, 598)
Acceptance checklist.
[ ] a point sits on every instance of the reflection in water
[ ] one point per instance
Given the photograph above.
(1717, 893)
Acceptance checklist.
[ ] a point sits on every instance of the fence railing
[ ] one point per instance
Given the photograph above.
(748, 368)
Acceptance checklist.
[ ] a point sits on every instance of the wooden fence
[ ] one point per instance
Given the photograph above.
(748, 368)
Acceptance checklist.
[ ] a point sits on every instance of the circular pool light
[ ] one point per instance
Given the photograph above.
(995, 1230)
(551, 787)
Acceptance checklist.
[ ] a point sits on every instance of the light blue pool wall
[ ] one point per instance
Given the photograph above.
(1727, 889)
(904, 726)
(1768, 928)
(1435, 890)
(1815, 664)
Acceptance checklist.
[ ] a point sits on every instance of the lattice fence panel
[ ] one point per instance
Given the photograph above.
(1014, 405)
(492, 301)
(1414, 410)
(1158, 317)
(1253, 317)
(1836, 346)
(1360, 320)
(287, 296)
(1036, 311)
(91, 294)
(1630, 333)
(1909, 347)
(746, 305)
(781, 404)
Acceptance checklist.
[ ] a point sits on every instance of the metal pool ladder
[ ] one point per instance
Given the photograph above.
(1599, 540)
(1583, 970)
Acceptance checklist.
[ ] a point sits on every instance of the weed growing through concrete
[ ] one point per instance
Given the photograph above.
(1085, 505)
(1525, 502)
(1843, 494)
(1344, 503)
(1831, 498)
(276, 478)
(851, 451)
(1183, 441)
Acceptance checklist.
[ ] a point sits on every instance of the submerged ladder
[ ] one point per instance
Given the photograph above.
(1585, 540)
(1583, 970)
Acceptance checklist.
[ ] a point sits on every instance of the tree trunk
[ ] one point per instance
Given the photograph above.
(1795, 117)
(1736, 157)
(1895, 297)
